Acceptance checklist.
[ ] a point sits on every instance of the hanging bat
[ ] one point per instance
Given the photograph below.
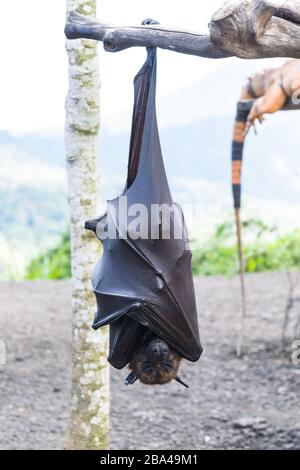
(143, 285)
(271, 91)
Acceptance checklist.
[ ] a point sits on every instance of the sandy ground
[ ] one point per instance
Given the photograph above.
(247, 403)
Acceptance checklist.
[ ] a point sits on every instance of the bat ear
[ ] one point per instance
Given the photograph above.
(130, 379)
(178, 379)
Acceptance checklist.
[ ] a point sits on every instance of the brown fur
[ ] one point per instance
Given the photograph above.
(160, 372)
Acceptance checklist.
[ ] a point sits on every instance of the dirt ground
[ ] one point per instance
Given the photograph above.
(247, 403)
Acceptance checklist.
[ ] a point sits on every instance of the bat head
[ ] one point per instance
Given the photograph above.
(156, 363)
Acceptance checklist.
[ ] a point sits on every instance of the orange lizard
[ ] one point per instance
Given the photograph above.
(270, 90)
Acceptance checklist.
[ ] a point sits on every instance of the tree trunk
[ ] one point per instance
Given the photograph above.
(90, 381)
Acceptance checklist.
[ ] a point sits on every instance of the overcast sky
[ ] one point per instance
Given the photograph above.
(34, 65)
(33, 60)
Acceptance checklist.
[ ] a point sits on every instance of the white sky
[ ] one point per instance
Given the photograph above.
(33, 79)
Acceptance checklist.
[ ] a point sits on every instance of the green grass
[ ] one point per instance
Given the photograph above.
(264, 250)
(53, 264)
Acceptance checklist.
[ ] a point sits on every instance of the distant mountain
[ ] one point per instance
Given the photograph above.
(201, 150)
(195, 129)
(47, 146)
(215, 95)
(33, 200)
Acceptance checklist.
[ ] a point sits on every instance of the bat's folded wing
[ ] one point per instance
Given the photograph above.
(145, 283)
(131, 289)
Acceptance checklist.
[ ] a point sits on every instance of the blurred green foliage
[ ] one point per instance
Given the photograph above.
(264, 250)
(55, 263)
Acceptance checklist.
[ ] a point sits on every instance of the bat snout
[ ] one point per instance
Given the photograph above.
(158, 350)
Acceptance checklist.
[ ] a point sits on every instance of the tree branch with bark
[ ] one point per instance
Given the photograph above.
(248, 29)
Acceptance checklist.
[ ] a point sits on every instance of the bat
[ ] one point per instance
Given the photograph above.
(143, 284)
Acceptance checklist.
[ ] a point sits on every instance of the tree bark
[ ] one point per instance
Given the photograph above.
(88, 427)
(249, 29)
(116, 38)
(254, 29)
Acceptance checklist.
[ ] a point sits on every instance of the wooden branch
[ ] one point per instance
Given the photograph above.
(119, 38)
(249, 29)
(288, 105)
(254, 29)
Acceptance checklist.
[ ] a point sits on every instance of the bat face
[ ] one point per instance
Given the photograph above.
(157, 363)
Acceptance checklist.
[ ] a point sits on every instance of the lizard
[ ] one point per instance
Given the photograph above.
(268, 90)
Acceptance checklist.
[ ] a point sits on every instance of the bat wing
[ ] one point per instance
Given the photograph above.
(145, 283)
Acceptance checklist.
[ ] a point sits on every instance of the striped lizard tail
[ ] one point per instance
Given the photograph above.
(237, 160)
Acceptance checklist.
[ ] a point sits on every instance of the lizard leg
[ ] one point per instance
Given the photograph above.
(269, 103)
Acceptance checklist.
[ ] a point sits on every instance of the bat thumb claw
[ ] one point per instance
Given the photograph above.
(91, 225)
(178, 379)
(131, 378)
